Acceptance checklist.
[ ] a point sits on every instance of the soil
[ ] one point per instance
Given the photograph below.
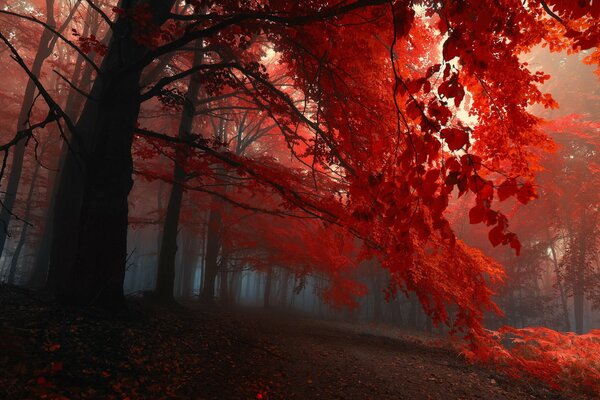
(188, 352)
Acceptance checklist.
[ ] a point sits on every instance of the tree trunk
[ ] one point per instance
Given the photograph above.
(168, 248)
(578, 302)
(235, 288)
(188, 261)
(72, 108)
(412, 313)
(283, 292)
(23, 237)
(579, 283)
(268, 284)
(224, 289)
(44, 50)
(561, 290)
(89, 241)
(213, 245)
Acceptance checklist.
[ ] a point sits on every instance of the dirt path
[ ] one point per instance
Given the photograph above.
(342, 361)
(49, 352)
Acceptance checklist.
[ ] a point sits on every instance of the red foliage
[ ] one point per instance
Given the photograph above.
(564, 361)
(91, 43)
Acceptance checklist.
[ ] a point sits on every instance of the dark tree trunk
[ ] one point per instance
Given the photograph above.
(187, 265)
(213, 245)
(23, 237)
(236, 283)
(224, 288)
(72, 108)
(412, 313)
(283, 292)
(268, 285)
(579, 284)
(44, 50)
(89, 241)
(377, 298)
(165, 276)
(168, 248)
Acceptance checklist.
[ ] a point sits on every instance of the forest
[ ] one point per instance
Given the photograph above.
(273, 199)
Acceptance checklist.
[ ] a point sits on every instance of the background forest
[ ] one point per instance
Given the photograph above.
(427, 165)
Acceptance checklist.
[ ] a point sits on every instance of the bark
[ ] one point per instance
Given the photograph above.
(376, 290)
(268, 285)
(72, 108)
(224, 288)
(579, 283)
(25, 228)
(412, 313)
(168, 248)
(236, 284)
(397, 312)
(561, 290)
(189, 260)
(213, 246)
(89, 240)
(44, 50)
(283, 292)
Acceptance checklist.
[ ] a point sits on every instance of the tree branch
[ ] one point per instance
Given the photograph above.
(54, 31)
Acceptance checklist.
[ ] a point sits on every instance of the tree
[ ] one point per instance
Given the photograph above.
(166, 261)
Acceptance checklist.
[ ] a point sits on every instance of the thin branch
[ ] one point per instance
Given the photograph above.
(55, 110)
(271, 17)
(551, 13)
(72, 85)
(157, 88)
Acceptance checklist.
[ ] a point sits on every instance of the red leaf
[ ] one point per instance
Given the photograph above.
(54, 347)
(507, 188)
(496, 235)
(477, 214)
(439, 204)
(56, 367)
(526, 193)
(455, 138)
(485, 190)
(413, 110)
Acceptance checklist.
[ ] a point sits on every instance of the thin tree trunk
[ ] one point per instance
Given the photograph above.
(213, 245)
(168, 248)
(283, 292)
(579, 282)
(268, 284)
(224, 289)
(236, 283)
(22, 239)
(188, 261)
(412, 313)
(561, 290)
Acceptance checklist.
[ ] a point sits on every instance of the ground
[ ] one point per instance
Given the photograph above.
(187, 352)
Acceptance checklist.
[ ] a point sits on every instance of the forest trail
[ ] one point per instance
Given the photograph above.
(48, 351)
(336, 360)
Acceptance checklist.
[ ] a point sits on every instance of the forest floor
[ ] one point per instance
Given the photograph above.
(52, 352)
